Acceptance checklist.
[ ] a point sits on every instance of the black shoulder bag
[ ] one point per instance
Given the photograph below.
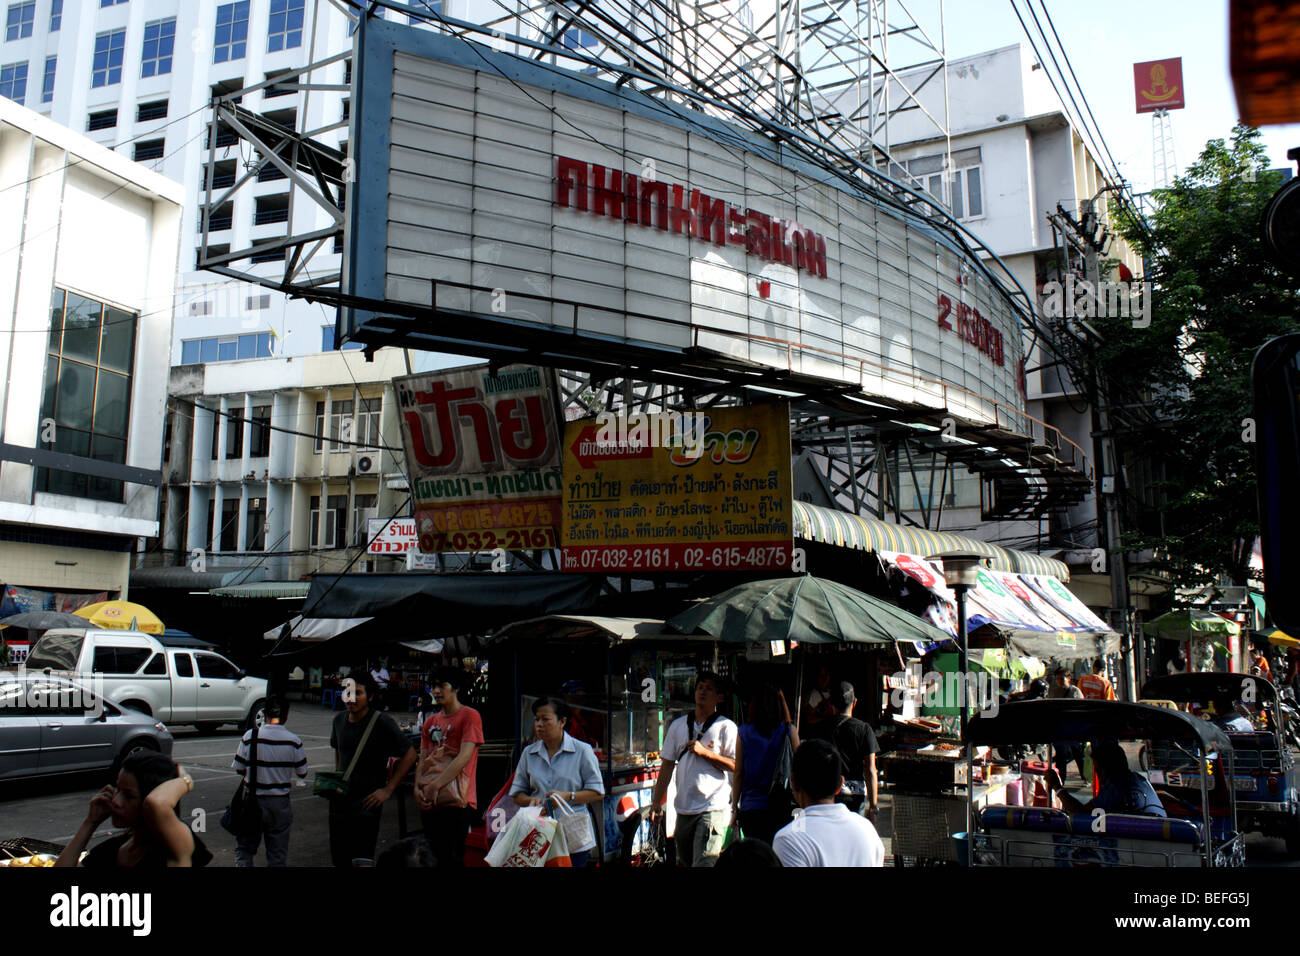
(244, 814)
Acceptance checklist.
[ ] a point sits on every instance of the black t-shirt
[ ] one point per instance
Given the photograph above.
(855, 741)
(104, 856)
(386, 741)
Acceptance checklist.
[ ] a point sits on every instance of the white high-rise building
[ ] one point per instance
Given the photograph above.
(138, 76)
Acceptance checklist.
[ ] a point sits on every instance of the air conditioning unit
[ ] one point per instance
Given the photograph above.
(367, 464)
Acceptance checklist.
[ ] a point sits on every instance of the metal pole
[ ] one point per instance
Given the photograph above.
(960, 591)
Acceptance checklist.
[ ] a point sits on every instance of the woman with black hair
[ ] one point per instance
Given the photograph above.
(146, 801)
(558, 764)
(760, 812)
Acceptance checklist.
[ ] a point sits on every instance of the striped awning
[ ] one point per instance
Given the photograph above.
(845, 530)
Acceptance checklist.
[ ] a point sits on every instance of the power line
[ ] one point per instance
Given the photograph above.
(261, 423)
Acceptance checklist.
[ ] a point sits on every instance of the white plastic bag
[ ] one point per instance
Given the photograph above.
(530, 840)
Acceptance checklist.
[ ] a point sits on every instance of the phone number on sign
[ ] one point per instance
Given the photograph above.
(513, 539)
(677, 558)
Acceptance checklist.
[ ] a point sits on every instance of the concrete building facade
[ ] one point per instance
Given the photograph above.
(88, 252)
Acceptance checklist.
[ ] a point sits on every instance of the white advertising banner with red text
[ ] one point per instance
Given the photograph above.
(483, 453)
(1026, 601)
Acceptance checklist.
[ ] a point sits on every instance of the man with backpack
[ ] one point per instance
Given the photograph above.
(701, 746)
(856, 743)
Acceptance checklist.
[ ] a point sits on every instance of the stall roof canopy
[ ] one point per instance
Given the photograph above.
(449, 602)
(1047, 721)
(585, 625)
(845, 530)
(184, 578)
(1183, 688)
(264, 589)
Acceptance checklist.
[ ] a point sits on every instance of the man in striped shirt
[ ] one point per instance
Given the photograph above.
(279, 757)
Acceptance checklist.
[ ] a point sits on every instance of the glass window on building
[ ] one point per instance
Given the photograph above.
(107, 66)
(230, 524)
(159, 43)
(20, 20)
(336, 521)
(364, 507)
(89, 364)
(216, 439)
(367, 428)
(327, 340)
(284, 31)
(433, 6)
(967, 184)
(255, 532)
(47, 86)
(56, 15)
(259, 439)
(231, 39)
(235, 436)
(13, 81)
(110, 3)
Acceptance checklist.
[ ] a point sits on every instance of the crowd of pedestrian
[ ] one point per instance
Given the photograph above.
(754, 794)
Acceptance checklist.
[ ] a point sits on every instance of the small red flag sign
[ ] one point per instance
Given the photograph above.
(1158, 85)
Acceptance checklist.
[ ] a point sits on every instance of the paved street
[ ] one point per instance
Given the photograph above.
(52, 809)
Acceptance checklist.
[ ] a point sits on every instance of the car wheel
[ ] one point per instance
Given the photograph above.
(133, 747)
(138, 705)
(1293, 834)
(256, 715)
(207, 728)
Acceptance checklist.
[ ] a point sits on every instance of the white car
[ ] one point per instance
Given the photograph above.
(177, 685)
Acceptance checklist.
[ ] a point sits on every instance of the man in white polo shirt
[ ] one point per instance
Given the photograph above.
(823, 832)
(703, 749)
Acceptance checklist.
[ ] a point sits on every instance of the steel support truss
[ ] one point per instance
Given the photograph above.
(822, 77)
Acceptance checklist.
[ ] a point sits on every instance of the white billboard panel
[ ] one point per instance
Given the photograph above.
(665, 228)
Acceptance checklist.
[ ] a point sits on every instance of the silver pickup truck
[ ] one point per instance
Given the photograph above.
(176, 685)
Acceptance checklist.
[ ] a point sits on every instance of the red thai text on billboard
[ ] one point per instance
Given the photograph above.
(590, 187)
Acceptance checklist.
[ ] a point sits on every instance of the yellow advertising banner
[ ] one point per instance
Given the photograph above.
(704, 490)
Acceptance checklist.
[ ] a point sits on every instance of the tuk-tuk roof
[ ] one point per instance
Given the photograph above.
(1185, 687)
(1047, 721)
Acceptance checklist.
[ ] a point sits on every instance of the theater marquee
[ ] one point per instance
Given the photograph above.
(580, 209)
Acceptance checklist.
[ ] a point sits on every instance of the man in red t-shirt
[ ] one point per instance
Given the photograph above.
(446, 788)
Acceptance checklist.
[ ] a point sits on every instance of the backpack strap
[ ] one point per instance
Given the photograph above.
(360, 747)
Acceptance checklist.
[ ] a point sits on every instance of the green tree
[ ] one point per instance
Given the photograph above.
(1216, 298)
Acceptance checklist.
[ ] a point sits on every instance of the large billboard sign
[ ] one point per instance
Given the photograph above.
(483, 453)
(1158, 85)
(705, 490)
(582, 213)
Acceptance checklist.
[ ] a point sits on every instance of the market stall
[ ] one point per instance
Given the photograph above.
(626, 680)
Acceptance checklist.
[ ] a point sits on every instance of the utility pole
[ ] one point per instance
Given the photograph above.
(1108, 503)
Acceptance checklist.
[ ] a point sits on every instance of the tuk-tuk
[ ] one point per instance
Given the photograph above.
(1264, 781)
(1190, 835)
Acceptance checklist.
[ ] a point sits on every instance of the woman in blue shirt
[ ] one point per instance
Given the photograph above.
(761, 813)
(558, 764)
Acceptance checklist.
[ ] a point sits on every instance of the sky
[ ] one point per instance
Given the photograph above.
(1104, 38)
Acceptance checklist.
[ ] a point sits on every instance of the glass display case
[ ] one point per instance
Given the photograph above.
(627, 730)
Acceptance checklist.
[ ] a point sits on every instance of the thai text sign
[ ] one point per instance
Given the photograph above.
(1158, 85)
(484, 458)
(391, 537)
(715, 499)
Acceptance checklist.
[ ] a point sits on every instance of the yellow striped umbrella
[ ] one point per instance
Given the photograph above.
(120, 615)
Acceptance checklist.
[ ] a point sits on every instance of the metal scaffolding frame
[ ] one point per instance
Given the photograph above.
(824, 78)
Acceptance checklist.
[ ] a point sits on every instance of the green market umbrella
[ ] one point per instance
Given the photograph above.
(1191, 623)
(805, 609)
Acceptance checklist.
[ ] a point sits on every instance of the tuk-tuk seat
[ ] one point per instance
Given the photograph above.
(1137, 827)
(1031, 819)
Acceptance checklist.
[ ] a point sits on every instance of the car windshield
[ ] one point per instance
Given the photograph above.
(56, 651)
